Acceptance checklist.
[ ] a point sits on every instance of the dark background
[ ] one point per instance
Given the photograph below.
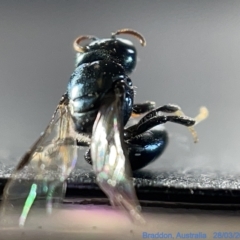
(191, 59)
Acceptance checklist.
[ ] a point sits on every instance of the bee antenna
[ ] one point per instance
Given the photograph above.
(131, 32)
(76, 44)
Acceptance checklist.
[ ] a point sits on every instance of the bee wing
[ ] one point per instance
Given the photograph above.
(41, 173)
(110, 157)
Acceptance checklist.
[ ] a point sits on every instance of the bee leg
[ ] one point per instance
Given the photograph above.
(169, 108)
(154, 121)
(83, 140)
(145, 143)
(176, 111)
(87, 156)
(141, 108)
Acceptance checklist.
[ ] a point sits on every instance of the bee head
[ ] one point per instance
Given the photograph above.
(118, 49)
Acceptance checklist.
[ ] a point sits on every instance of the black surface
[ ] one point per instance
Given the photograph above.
(195, 188)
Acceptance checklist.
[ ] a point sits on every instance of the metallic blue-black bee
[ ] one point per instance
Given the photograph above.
(93, 113)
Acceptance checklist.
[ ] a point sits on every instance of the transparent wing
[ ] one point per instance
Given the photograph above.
(40, 176)
(110, 158)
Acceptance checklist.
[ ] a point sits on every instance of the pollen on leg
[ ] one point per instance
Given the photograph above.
(203, 114)
(191, 129)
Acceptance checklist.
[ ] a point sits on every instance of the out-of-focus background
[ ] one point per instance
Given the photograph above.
(191, 59)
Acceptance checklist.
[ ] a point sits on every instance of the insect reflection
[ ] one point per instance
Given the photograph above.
(93, 113)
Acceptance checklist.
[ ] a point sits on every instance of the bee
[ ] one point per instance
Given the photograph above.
(93, 113)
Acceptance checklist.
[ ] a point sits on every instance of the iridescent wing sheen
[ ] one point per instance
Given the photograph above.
(40, 175)
(110, 158)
